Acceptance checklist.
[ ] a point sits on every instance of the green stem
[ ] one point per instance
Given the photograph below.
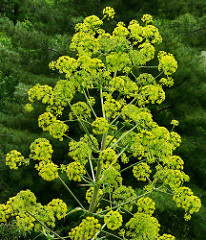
(99, 232)
(92, 168)
(158, 75)
(98, 174)
(114, 136)
(85, 129)
(123, 136)
(132, 165)
(102, 102)
(122, 204)
(120, 113)
(70, 191)
(122, 151)
(111, 234)
(146, 66)
(96, 188)
(85, 94)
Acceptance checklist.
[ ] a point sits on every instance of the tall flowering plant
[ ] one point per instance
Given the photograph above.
(122, 138)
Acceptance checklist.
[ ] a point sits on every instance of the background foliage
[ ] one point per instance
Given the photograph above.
(35, 32)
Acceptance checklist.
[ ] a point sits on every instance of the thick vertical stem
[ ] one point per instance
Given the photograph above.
(97, 177)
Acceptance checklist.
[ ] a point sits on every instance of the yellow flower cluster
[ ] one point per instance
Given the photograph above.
(58, 207)
(63, 92)
(146, 53)
(145, 79)
(123, 194)
(64, 64)
(112, 106)
(116, 61)
(28, 107)
(92, 23)
(120, 30)
(80, 110)
(144, 226)
(117, 84)
(25, 223)
(14, 159)
(45, 120)
(185, 199)
(47, 170)
(79, 151)
(41, 92)
(167, 63)
(151, 94)
(74, 171)
(141, 171)
(146, 205)
(124, 158)
(175, 139)
(48, 122)
(24, 206)
(41, 150)
(147, 18)
(174, 123)
(88, 228)
(90, 65)
(140, 116)
(168, 82)
(100, 125)
(173, 162)
(113, 220)
(111, 179)
(166, 237)
(142, 56)
(108, 13)
(57, 129)
(137, 148)
(108, 157)
(171, 177)
(90, 141)
(56, 98)
(136, 31)
(131, 88)
(151, 34)
(157, 142)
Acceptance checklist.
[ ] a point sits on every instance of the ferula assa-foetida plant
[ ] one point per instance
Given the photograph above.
(119, 137)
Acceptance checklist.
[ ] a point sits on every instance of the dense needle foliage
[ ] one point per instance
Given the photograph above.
(119, 136)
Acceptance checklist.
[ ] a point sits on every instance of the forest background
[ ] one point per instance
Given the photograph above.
(36, 32)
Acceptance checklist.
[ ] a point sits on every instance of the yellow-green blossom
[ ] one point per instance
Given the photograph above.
(100, 125)
(166, 237)
(174, 123)
(108, 13)
(74, 171)
(14, 159)
(147, 18)
(88, 228)
(146, 205)
(144, 226)
(47, 170)
(28, 107)
(167, 63)
(141, 171)
(58, 207)
(113, 220)
(41, 150)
